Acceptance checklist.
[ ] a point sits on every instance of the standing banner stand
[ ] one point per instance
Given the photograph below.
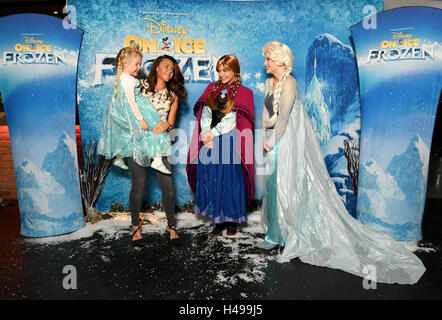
(400, 74)
(38, 73)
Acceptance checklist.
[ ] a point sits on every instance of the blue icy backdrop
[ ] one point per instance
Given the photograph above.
(317, 32)
(400, 88)
(37, 85)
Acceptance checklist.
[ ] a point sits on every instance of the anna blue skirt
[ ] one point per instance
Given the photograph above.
(220, 191)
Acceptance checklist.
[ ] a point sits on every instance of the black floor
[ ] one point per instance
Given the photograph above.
(200, 268)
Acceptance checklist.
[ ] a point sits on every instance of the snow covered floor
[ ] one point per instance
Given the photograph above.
(108, 266)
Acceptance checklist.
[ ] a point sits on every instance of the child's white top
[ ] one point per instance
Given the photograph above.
(129, 83)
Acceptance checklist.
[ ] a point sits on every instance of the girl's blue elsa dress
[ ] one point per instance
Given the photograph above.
(303, 212)
(121, 132)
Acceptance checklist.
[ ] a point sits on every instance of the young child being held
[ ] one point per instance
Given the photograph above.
(130, 118)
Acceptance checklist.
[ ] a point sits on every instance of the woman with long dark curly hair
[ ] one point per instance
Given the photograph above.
(165, 88)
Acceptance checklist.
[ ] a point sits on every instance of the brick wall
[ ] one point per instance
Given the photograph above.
(8, 189)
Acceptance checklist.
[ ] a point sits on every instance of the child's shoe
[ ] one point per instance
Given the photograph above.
(120, 163)
(158, 164)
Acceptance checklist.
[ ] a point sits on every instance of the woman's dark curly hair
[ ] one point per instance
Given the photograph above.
(176, 84)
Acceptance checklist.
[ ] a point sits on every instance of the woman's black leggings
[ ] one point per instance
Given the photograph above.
(165, 181)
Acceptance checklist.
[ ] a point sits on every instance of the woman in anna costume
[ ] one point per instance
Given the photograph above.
(220, 164)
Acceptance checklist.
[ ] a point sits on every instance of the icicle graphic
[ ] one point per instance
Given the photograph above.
(317, 108)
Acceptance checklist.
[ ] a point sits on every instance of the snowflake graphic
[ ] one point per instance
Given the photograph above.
(258, 75)
(245, 76)
(260, 86)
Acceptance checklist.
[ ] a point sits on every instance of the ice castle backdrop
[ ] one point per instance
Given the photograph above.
(197, 33)
(37, 82)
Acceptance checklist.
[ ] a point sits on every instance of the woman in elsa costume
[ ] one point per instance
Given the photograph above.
(302, 210)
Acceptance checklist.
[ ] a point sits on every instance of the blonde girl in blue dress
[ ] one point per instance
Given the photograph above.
(130, 118)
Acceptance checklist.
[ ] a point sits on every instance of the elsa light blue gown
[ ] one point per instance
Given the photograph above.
(121, 132)
(303, 212)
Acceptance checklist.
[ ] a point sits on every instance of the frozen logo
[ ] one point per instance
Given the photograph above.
(195, 68)
(402, 46)
(32, 51)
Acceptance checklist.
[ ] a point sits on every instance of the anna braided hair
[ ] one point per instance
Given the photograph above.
(125, 54)
(231, 63)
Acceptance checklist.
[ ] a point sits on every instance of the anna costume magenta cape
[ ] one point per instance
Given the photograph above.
(245, 118)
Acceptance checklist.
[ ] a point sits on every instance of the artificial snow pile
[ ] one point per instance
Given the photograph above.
(154, 222)
(238, 258)
(228, 261)
(427, 247)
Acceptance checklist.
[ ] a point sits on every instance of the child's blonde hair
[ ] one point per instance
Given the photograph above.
(123, 56)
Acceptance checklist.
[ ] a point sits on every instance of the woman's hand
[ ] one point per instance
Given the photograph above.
(160, 127)
(207, 136)
(264, 145)
(209, 145)
(143, 124)
(207, 139)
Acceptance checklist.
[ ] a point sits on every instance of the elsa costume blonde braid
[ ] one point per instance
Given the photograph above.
(270, 123)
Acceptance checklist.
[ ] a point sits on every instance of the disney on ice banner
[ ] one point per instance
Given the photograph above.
(38, 71)
(197, 33)
(400, 73)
